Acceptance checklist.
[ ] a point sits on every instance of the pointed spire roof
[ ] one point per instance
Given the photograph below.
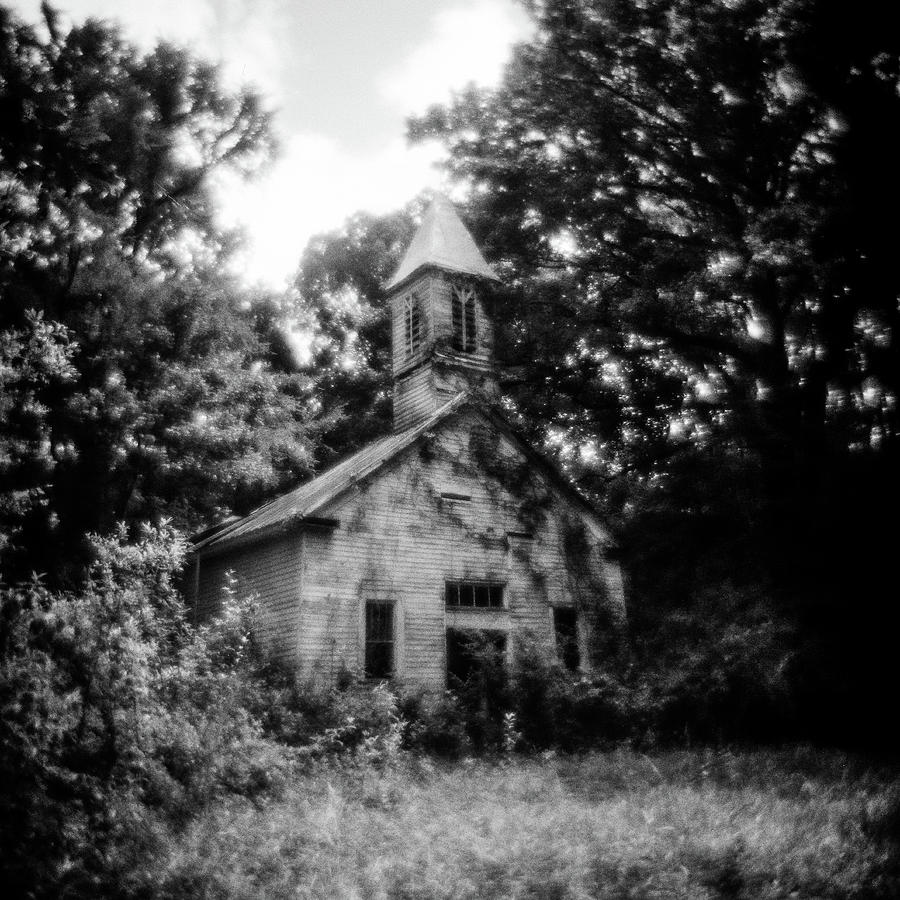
(443, 241)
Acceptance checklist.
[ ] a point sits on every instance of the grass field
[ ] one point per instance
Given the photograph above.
(616, 825)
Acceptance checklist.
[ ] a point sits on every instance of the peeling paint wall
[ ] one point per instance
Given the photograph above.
(399, 540)
(271, 573)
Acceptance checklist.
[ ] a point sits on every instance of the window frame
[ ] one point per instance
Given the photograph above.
(489, 590)
(412, 324)
(454, 497)
(391, 619)
(464, 318)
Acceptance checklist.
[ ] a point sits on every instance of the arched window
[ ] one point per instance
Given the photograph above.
(412, 324)
(464, 321)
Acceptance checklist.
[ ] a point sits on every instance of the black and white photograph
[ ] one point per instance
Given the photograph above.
(449, 450)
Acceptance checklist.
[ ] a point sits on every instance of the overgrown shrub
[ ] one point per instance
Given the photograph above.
(721, 682)
(120, 724)
(118, 718)
(436, 724)
(724, 691)
(556, 708)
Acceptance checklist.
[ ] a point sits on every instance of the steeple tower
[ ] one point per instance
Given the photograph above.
(443, 340)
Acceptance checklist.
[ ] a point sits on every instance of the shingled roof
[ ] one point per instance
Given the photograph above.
(442, 240)
(305, 502)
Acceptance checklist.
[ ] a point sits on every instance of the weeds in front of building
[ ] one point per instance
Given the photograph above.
(143, 757)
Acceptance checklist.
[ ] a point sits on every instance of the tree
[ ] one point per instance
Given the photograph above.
(702, 175)
(686, 196)
(121, 722)
(136, 383)
(343, 321)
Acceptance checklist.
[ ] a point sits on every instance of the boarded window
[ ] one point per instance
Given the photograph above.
(474, 594)
(412, 324)
(464, 319)
(475, 653)
(379, 639)
(565, 626)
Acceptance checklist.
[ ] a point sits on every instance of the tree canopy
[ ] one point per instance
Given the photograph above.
(341, 316)
(135, 383)
(691, 204)
(688, 200)
(697, 180)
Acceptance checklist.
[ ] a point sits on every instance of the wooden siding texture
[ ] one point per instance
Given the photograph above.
(271, 571)
(436, 373)
(442, 315)
(436, 322)
(399, 540)
(423, 289)
(415, 398)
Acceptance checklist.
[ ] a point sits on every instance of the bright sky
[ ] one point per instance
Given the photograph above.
(343, 75)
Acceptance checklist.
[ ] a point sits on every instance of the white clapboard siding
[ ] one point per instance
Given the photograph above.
(268, 571)
(414, 398)
(398, 540)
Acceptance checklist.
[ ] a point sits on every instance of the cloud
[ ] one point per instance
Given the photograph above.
(318, 181)
(143, 23)
(468, 43)
(238, 34)
(313, 187)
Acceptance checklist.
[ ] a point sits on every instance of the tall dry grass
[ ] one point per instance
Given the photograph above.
(614, 825)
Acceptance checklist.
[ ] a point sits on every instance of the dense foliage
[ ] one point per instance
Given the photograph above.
(344, 322)
(117, 718)
(134, 381)
(700, 318)
(684, 198)
(143, 757)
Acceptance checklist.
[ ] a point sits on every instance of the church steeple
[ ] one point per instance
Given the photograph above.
(444, 242)
(443, 340)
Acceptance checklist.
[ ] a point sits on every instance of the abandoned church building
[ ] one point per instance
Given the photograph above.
(384, 564)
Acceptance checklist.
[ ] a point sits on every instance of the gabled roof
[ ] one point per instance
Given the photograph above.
(304, 504)
(443, 241)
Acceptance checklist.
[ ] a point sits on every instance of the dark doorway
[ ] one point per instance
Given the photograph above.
(565, 625)
(472, 652)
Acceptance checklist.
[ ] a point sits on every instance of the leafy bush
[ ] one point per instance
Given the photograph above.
(722, 682)
(482, 689)
(117, 718)
(436, 725)
(556, 708)
(709, 691)
(366, 722)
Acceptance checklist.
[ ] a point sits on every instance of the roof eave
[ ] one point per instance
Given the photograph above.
(415, 435)
(213, 547)
(396, 283)
(310, 517)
